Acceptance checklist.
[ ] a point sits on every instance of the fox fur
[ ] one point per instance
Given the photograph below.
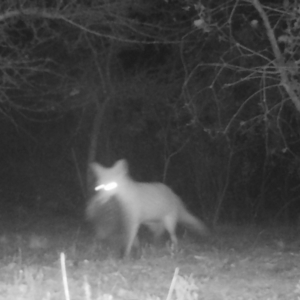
(154, 205)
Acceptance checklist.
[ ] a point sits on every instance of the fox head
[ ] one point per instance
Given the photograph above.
(108, 180)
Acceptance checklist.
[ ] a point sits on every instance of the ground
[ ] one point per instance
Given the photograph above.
(241, 262)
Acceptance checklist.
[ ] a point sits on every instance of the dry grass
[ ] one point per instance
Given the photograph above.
(236, 263)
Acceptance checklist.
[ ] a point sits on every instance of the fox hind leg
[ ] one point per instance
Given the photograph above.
(170, 223)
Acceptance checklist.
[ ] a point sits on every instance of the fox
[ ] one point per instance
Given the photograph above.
(153, 205)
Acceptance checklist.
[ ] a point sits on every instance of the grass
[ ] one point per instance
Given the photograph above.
(50, 257)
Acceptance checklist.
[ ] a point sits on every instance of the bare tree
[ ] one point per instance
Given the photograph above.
(241, 66)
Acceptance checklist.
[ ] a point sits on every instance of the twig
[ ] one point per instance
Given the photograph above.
(64, 275)
(87, 289)
(172, 284)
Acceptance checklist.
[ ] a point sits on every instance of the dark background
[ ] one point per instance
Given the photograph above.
(199, 108)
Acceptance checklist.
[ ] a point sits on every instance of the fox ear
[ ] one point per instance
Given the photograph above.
(122, 164)
(96, 168)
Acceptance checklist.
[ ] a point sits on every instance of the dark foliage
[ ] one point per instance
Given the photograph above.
(190, 94)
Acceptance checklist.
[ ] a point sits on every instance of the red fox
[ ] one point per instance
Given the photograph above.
(154, 205)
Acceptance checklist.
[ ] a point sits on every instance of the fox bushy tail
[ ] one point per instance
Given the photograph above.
(193, 223)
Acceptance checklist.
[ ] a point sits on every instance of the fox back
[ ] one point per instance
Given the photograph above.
(154, 205)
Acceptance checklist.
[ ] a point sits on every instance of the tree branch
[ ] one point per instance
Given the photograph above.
(279, 62)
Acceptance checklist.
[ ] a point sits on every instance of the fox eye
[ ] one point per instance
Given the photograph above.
(107, 187)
